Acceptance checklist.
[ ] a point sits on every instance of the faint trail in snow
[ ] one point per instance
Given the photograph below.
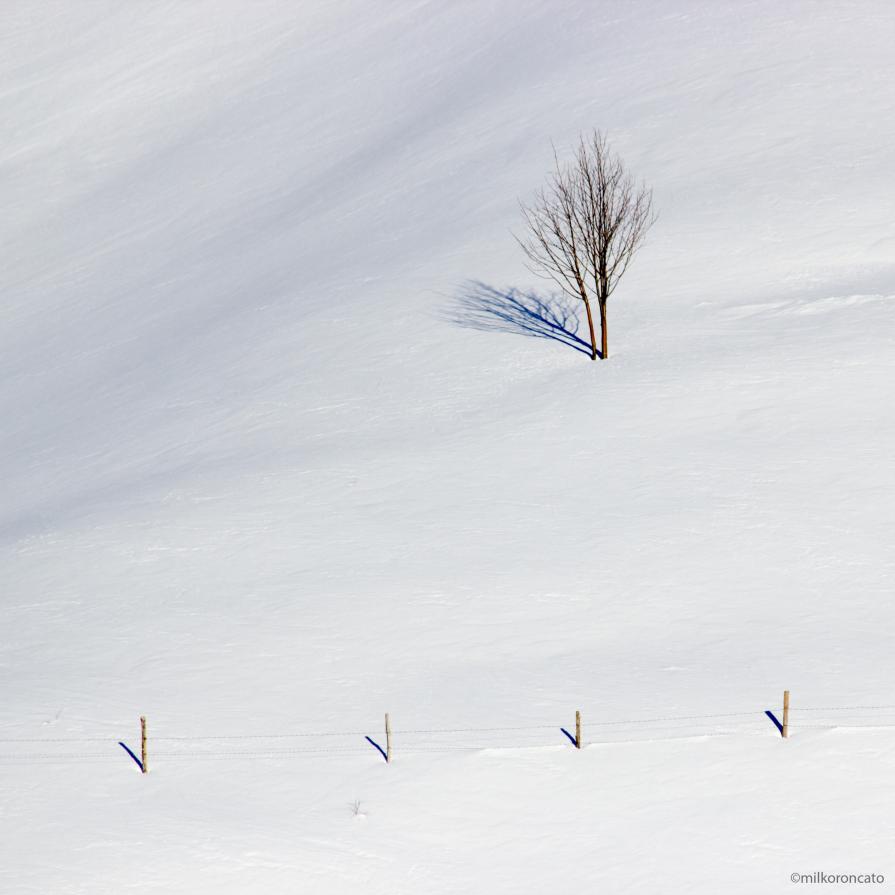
(805, 306)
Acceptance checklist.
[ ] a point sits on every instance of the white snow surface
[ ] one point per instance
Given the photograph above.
(259, 481)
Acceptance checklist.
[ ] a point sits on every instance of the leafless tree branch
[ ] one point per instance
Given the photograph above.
(586, 225)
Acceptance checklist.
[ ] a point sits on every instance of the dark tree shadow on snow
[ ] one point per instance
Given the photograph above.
(486, 309)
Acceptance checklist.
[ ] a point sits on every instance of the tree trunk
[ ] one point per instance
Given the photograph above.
(593, 336)
(604, 326)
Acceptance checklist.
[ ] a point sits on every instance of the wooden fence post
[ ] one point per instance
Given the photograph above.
(143, 759)
(577, 729)
(785, 730)
(388, 739)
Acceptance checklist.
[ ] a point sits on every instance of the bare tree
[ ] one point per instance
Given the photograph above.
(585, 227)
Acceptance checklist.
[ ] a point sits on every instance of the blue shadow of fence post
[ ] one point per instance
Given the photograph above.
(134, 757)
(376, 746)
(773, 718)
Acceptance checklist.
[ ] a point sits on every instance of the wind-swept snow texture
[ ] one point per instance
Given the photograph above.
(283, 449)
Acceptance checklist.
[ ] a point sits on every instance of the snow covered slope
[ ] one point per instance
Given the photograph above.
(270, 468)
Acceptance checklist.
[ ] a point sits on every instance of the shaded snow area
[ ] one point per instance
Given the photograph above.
(284, 447)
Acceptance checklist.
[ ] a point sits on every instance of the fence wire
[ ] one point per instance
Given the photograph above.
(423, 740)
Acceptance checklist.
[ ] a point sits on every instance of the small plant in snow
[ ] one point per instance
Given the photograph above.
(356, 809)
